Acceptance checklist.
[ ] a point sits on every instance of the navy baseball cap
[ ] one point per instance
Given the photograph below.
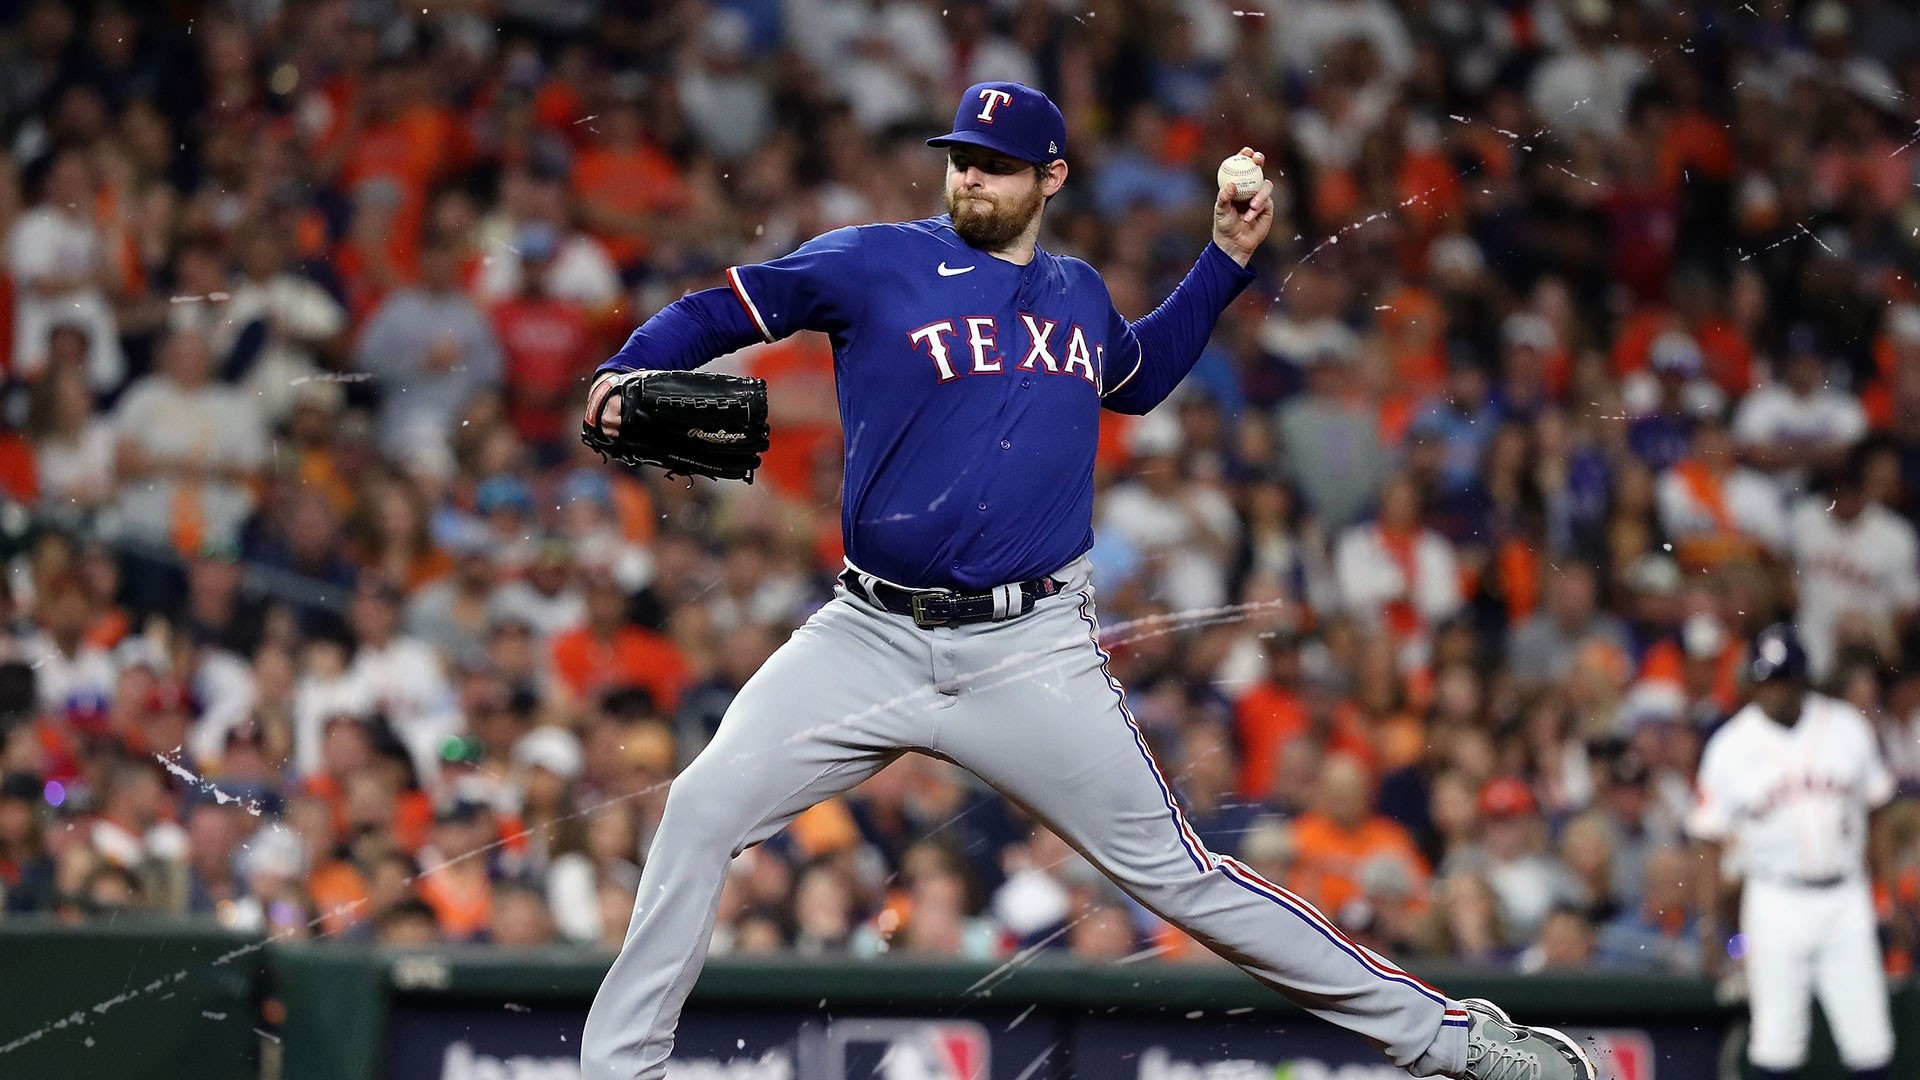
(1011, 119)
(1776, 654)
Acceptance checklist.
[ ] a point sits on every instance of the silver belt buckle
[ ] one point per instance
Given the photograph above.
(920, 617)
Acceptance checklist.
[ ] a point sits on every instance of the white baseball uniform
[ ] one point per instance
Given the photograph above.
(1870, 565)
(1792, 804)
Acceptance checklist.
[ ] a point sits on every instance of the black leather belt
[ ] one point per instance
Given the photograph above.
(949, 607)
(1811, 883)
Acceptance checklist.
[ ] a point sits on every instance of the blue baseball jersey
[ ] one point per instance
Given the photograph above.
(970, 388)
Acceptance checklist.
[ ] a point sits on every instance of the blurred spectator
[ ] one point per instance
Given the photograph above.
(75, 677)
(408, 922)
(534, 236)
(1799, 421)
(1329, 440)
(190, 448)
(456, 884)
(65, 272)
(1662, 934)
(520, 919)
(452, 613)
(1462, 419)
(400, 677)
(284, 330)
(542, 338)
(608, 651)
(1272, 720)
(73, 446)
(26, 868)
(1585, 85)
(727, 103)
(131, 829)
(823, 908)
(1397, 575)
(1566, 944)
(1543, 649)
(1666, 400)
(1858, 567)
(430, 349)
(1184, 527)
(1715, 509)
(1524, 880)
(1340, 835)
(1102, 934)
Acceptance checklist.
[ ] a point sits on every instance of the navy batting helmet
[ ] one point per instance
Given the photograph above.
(1776, 654)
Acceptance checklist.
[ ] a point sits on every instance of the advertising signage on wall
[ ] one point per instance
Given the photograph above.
(480, 1043)
(456, 1041)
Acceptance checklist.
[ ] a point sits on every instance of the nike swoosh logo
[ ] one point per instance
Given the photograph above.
(953, 271)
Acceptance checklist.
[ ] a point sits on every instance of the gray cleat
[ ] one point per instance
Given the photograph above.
(1499, 1049)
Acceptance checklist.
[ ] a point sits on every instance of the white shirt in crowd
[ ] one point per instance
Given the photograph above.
(1869, 566)
(77, 471)
(1773, 414)
(212, 424)
(1176, 529)
(298, 313)
(44, 243)
(1369, 578)
(581, 271)
(87, 678)
(1792, 801)
(405, 680)
(1753, 502)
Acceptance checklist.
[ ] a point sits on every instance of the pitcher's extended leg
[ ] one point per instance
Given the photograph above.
(1054, 735)
(827, 710)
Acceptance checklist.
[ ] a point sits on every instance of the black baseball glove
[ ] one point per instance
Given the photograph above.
(690, 423)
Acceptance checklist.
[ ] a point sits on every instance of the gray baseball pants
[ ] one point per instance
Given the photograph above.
(1028, 706)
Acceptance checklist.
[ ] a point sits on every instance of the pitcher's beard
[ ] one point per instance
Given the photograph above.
(986, 224)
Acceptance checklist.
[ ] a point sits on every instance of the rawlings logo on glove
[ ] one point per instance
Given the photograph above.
(690, 423)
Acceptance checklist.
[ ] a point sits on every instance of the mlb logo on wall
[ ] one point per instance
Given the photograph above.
(906, 1050)
(1620, 1053)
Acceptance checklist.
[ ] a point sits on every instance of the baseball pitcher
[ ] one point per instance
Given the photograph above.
(972, 367)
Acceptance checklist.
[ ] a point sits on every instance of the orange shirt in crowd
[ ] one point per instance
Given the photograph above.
(1429, 190)
(634, 180)
(339, 894)
(1328, 858)
(463, 905)
(589, 664)
(19, 469)
(1414, 327)
(411, 150)
(1695, 145)
(798, 369)
(1269, 717)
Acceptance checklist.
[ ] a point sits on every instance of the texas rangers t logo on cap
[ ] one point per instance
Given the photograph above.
(994, 99)
(1009, 118)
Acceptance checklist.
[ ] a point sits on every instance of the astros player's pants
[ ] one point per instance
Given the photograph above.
(1028, 706)
(1805, 942)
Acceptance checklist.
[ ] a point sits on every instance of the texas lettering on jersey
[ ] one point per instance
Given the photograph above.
(970, 388)
(980, 334)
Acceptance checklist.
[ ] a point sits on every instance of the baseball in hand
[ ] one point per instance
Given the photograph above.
(1242, 174)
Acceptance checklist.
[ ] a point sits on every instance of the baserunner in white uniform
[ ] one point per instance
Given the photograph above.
(1785, 790)
(972, 367)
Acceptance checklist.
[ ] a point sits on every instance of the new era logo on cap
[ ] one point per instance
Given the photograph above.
(1009, 118)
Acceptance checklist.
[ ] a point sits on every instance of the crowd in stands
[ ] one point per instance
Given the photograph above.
(1587, 342)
